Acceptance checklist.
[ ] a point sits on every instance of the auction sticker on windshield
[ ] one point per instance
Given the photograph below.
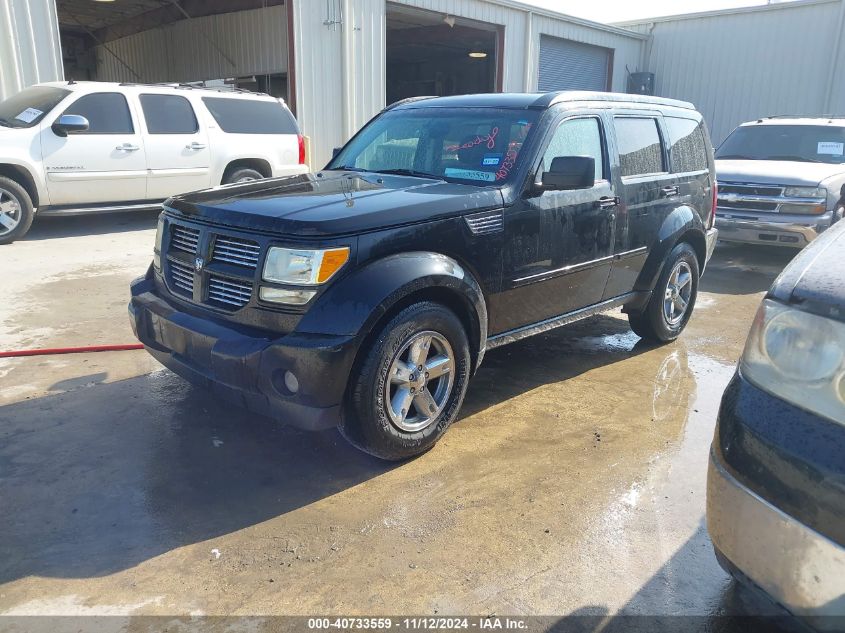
(828, 147)
(29, 115)
(470, 174)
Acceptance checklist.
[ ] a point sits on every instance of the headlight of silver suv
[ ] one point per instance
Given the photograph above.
(799, 357)
(805, 192)
(300, 267)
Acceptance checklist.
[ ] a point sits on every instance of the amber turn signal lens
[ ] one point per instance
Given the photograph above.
(333, 261)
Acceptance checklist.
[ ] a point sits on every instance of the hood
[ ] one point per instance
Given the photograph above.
(776, 172)
(814, 278)
(335, 203)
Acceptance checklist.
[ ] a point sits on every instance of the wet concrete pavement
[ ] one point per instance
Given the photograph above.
(573, 483)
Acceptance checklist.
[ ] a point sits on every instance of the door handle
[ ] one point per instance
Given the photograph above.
(195, 145)
(670, 191)
(608, 202)
(127, 147)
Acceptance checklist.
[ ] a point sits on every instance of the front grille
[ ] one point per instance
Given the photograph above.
(210, 266)
(229, 292)
(184, 238)
(182, 278)
(748, 205)
(750, 190)
(233, 250)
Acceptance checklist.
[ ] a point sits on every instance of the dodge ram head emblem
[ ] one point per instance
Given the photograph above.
(199, 262)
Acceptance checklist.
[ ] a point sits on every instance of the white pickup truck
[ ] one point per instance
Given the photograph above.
(71, 148)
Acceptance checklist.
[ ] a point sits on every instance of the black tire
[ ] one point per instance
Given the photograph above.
(12, 194)
(366, 422)
(653, 322)
(242, 174)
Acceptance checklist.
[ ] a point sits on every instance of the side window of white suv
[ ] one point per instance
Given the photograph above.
(107, 113)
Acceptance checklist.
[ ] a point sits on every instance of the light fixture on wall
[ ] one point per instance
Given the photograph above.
(477, 54)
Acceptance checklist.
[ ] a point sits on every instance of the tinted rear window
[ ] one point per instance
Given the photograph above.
(168, 114)
(688, 145)
(242, 116)
(640, 151)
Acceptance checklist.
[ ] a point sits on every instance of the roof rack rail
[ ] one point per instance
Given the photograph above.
(803, 116)
(552, 98)
(190, 86)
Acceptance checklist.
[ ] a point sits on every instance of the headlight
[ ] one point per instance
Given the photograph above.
(799, 357)
(157, 248)
(805, 192)
(303, 267)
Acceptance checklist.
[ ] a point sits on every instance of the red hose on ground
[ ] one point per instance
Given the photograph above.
(70, 350)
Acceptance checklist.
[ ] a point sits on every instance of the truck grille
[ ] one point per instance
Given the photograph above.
(233, 250)
(750, 190)
(750, 205)
(228, 292)
(182, 278)
(184, 238)
(210, 266)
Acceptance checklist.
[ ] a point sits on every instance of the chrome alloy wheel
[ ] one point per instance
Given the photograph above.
(420, 381)
(10, 212)
(676, 298)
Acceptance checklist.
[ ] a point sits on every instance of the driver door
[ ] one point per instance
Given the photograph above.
(559, 244)
(106, 163)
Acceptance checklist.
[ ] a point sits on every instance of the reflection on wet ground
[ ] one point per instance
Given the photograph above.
(573, 483)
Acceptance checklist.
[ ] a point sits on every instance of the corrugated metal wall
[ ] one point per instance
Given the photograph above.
(30, 51)
(249, 43)
(340, 69)
(741, 65)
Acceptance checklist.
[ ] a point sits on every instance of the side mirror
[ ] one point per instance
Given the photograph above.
(69, 124)
(569, 172)
(336, 151)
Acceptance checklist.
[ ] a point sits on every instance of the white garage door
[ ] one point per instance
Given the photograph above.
(568, 65)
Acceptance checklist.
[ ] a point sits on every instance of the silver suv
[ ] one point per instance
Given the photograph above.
(781, 180)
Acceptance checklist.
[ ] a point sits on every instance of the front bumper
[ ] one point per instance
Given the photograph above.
(797, 567)
(794, 232)
(247, 367)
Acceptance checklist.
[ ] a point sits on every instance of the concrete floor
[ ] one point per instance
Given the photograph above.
(574, 481)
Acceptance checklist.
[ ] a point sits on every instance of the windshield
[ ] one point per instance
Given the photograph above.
(803, 143)
(29, 106)
(479, 146)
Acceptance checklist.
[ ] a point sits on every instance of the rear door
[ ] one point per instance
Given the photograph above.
(688, 161)
(648, 192)
(106, 163)
(178, 152)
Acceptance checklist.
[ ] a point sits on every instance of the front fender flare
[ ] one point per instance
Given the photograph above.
(356, 303)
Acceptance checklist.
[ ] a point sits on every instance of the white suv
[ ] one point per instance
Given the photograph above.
(70, 148)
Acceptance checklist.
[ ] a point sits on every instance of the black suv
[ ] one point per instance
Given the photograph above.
(366, 295)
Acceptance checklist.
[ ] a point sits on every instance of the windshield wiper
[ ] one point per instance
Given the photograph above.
(802, 159)
(735, 157)
(408, 172)
(5, 123)
(347, 168)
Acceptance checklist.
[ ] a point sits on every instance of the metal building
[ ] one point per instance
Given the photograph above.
(336, 62)
(741, 64)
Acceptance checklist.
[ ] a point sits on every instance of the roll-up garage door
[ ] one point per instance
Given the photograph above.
(568, 65)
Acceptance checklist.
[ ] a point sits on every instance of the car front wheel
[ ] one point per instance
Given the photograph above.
(16, 211)
(410, 385)
(673, 299)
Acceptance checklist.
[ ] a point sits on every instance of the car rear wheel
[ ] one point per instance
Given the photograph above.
(244, 174)
(16, 211)
(672, 302)
(410, 385)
